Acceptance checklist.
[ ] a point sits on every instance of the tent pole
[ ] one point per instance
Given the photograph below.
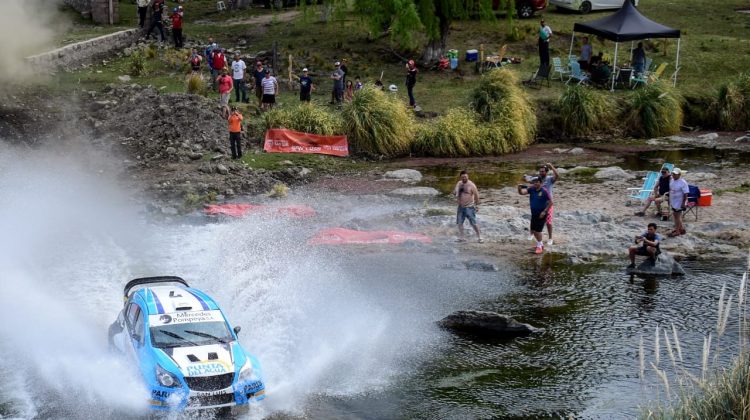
(614, 68)
(676, 63)
(630, 57)
(570, 51)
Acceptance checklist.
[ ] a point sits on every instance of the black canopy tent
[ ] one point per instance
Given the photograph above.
(627, 24)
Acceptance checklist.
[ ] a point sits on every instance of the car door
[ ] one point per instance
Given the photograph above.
(606, 4)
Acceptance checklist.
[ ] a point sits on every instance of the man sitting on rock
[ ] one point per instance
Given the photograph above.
(649, 245)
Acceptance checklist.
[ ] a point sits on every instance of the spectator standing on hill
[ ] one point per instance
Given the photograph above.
(344, 69)
(639, 59)
(586, 52)
(176, 17)
(539, 201)
(218, 62)
(235, 133)
(157, 10)
(349, 91)
(238, 78)
(411, 80)
(468, 206)
(209, 51)
(357, 84)
(649, 245)
(270, 90)
(225, 88)
(338, 84)
(195, 61)
(545, 32)
(142, 10)
(305, 86)
(678, 195)
(259, 74)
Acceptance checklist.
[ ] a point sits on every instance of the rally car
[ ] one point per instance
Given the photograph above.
(184, 347)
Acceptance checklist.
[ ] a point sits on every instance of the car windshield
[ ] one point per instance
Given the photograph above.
(190, 334)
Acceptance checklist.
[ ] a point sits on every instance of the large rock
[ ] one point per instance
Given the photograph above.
(415, 192)
(486, 323)
(699, 176)
(613, 173)
(665, 265)
(407, 175)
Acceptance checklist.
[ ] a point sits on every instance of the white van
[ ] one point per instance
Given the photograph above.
(585, 6)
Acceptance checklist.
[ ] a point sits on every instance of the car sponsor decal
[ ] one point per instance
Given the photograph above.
(209, 393)
(157, 302)
(202, 302)
(208, 368)
(185, 317)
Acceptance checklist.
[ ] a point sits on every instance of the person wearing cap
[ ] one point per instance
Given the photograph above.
(259, 73)
(468, 206)
(142, 10)
(235, 133)
(658, 195)
(218, 62)
(540, 202)
(176, 17)
(545, 32)
(157, 10)
(548, 182)
(270, 90)
(678, 195)
(305, 86)
(238, 78)
(338, 84)
(411, 80)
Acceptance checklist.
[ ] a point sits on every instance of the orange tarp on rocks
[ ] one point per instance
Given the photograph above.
(239, 210)
(341, 236)
(281, 140)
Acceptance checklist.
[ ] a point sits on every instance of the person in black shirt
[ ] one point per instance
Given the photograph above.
(258, 74)
(659, 195)
(156, 19)
(411, 80)
(305, 86)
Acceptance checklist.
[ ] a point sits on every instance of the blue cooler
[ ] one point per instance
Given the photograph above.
(472, 55)
(454, 63)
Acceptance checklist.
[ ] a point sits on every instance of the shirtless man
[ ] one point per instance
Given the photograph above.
(468, 206)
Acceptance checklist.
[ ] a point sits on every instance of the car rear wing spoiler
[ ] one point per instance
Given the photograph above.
(150, 280)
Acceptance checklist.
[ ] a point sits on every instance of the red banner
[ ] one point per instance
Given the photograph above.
(281, 140)
(240, 210)
(341, 236)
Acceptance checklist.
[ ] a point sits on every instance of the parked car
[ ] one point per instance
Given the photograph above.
(524, 8)
(187, 353)
(585, 6)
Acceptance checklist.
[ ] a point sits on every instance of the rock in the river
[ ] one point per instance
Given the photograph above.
(665, 265)
(415, 192)
(407, 175)
(478, 265)
(709, 136)
(613, 173)
(485, 322)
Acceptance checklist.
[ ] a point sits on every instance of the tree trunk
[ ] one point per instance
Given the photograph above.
(436, 47)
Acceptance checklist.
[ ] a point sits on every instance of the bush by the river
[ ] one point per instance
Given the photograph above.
(505, 106)
(378, 124)
(584, 111)
(734, 104)
(306, 117)
(654, 111)
(456, 133)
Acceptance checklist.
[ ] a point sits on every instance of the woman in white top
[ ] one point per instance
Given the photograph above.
(270, 90)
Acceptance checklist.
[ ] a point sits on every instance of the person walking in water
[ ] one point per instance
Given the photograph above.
(468, 205)
(540, 202)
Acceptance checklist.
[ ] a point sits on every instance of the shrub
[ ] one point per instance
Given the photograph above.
(305, 117)
(137, 64)
(734, 104)
(455, 134)
(506, 109)
(151, 52)
(654, 111)
(195, 84)
(378, 124)
(583, 111)
(701, 110)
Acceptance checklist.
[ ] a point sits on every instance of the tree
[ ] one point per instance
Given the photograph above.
(404, 20)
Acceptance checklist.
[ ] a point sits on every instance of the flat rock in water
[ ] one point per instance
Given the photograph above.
(478, 265)
(665, 265)
(613, 173)
(487, 323)
(408, 175)
(415, 192)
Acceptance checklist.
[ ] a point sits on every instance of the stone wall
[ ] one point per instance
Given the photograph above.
(97, 9)
(84, 52)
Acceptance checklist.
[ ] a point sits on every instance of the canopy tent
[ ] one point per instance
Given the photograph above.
(627, 24)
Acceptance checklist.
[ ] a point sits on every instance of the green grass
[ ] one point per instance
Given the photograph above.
(320, 163)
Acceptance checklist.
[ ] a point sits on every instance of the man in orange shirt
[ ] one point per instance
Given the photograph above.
(235, 133)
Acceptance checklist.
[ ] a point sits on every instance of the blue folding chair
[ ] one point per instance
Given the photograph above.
(641, 194)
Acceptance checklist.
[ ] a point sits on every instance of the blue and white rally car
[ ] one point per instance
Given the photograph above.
(185, 349)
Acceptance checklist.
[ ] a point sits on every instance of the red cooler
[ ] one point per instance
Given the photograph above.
(705, 199)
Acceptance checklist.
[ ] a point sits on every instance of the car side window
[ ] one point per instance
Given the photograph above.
(138, 326)
(132, 314)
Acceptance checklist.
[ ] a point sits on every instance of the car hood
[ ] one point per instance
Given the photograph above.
(208, 360)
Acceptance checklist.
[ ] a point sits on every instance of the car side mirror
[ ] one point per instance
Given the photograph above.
(237, 329)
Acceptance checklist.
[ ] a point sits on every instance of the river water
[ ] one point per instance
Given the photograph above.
(341, 332)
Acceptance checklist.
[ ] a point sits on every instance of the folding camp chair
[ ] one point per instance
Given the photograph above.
(694, 193)
(496, 60)
(539, 76)
(623, 77)
(641, 194)
(559, 68)
(576, 73)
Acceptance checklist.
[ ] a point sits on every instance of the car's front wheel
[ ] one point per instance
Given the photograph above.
(525, 10)
(585, 7)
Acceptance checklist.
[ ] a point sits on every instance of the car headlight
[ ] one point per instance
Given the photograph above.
(246, 373)
(165, 378)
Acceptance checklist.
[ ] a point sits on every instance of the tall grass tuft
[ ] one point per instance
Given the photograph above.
(584, 111)
(378, 124)
(137, 64)
(305, 117)
(506, 108)
(455, 134)
(734, 104)
(151, 52)
(195, 84)
(654, 111)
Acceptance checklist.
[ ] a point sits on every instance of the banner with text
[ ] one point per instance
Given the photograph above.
(281, 140)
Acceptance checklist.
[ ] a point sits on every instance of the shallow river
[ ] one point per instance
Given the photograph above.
(341, 333)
